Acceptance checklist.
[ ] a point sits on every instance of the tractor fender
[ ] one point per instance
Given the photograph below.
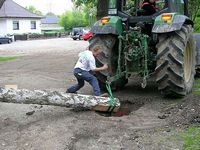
(113, 26)
(174, 24)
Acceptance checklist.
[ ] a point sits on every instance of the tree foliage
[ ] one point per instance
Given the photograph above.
(83, 15)
(88, 6)
(72, 19)
(85, 2)
(94, 5)
(194, 10)
(194, 6)
(34, 10)
(50, 14)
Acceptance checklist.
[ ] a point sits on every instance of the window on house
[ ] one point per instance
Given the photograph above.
(15, 25)
(33, 24)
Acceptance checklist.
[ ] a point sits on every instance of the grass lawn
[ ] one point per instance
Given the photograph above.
(191, 138)
(196, 87)
(6, 58)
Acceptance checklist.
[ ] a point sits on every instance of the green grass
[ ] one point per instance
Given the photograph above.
(191, 138)
(196, 87)
(6, 58)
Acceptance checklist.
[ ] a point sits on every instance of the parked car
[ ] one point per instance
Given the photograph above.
(87, 35)
(5, 39)
(77, 33)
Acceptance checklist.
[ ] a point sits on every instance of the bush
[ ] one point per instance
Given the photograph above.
(35, 35)
(21, 37)
(50, 34)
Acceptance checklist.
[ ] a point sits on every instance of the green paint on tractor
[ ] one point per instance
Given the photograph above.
(115, 22)
(159, 20)
(136, 44)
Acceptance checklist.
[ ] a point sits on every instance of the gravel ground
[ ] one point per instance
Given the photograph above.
(154, 123)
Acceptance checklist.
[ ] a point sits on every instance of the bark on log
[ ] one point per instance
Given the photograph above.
(76, 101)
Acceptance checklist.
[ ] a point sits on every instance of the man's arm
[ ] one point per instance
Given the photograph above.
(104, 67)
(149, 10)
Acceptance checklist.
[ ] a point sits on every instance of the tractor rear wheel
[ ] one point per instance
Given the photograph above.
(109, 56)
(176, 62)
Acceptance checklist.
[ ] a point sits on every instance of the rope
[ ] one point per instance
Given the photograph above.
(112, 102)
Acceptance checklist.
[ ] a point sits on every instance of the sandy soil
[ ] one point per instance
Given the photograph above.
(154, 122)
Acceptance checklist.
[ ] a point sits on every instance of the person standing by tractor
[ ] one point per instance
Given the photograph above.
(84, 68)
(149, 6)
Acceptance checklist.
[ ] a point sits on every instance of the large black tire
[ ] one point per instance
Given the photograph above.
(109, 56)
(176, 62)
(9, 41)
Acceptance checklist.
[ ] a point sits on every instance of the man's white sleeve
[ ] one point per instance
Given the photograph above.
(92, 63)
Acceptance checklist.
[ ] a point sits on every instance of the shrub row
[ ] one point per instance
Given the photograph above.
(39, 36)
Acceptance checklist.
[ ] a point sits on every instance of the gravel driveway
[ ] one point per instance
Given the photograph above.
(155, 123)
(42, 64)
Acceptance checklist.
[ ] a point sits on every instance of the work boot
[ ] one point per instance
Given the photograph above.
(104, 95)
(70, 92)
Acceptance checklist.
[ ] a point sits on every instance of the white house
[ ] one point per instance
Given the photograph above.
(14, 19)
(50, 23)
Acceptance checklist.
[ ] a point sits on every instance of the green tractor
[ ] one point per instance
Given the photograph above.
(160, 45)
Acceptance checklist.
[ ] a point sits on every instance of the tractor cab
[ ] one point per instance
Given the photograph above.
(132, 8)
(132, 13)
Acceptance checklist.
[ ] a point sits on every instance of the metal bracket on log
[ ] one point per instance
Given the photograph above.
(55, 98)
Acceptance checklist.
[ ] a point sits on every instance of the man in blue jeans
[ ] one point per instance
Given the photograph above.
(82, 70)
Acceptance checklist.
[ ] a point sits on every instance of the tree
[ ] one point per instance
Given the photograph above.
(194, 6)
(50, 14)
(101, 6)
(65, 20)
(84, 2)
(75, 18)
(90, 15)
(194, 11)
(34, 10)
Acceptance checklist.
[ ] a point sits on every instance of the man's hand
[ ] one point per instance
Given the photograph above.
(105, 66)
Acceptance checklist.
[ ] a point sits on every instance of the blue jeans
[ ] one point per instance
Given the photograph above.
(82, 76)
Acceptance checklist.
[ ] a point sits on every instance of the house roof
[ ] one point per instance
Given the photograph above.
(10, 9)
(1, 3)
(49, 20)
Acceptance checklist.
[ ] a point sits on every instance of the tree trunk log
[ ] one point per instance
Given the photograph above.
(102, 8)
(76, 101)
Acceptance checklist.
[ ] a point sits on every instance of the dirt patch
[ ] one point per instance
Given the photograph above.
(153, 122)
(187, 112)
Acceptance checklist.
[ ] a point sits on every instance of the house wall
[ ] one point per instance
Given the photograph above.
(24, 26)
(51, 27)
(3, 26)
